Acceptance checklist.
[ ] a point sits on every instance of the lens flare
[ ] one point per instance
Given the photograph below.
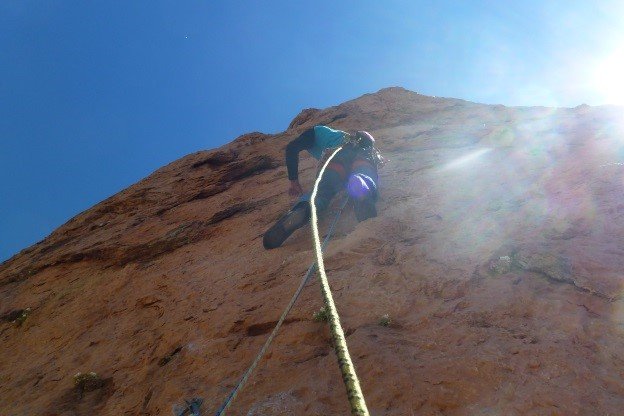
(465, 160)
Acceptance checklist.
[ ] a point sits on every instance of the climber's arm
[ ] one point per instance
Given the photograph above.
(304, 142)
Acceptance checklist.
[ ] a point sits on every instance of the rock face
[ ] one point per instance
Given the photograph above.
(497, 264)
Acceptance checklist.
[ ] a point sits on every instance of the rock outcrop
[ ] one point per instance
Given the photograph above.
(496, 266)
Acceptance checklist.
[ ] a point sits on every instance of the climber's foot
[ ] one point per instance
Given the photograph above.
(285, 226)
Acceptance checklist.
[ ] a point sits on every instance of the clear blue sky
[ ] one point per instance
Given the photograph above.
(95, 95)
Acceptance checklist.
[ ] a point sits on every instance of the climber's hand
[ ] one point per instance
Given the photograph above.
(295, 188)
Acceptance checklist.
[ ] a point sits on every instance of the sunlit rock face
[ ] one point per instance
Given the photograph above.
(497, 256)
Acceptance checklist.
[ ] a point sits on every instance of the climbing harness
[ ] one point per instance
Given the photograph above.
(367, 152)
(352, 384)
(228, 401)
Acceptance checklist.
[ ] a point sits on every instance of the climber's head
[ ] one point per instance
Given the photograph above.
(364, 138)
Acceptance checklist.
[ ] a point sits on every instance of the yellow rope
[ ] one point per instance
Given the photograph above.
(354, 392)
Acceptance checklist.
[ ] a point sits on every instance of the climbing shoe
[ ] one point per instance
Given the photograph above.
(296, 218)
(365, 208)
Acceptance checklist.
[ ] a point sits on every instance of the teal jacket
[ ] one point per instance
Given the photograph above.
(325, 138)
(315, 141)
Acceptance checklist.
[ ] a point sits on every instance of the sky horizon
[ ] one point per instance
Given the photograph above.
(97, 95)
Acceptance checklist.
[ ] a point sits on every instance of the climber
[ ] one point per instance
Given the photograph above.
(354, 167)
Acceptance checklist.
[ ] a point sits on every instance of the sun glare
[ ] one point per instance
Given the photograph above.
(466, 159)
(609, 78)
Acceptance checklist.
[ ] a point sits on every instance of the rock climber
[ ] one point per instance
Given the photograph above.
(354, 167)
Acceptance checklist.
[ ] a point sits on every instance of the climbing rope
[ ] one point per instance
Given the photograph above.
(354, 392)
(243, 380)
(191, 407)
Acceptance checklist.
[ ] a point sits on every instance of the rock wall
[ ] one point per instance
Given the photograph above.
(490, 283)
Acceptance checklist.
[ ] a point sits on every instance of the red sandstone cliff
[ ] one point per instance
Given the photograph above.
(498, 255)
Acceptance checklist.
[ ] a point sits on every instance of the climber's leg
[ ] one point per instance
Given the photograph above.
(363, 188)
(332, 181)
(295, 218)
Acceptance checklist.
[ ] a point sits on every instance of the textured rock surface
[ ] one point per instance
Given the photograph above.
(164, 290)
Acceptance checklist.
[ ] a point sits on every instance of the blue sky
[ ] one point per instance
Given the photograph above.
(95, 95)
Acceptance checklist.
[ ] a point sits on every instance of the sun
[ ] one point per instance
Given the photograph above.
(608, 78)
